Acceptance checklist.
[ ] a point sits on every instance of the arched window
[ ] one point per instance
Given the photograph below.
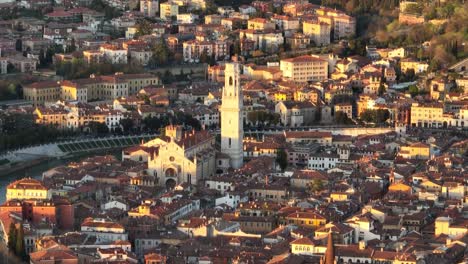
(230, 80)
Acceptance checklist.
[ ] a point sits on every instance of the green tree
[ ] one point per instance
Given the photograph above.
(72, 47)
(204, 58)
(377, 116)
(316, 185)
(127, 124)
(19, 45)
(42, 60)
(98, 128)
(282, 159)
(413, 90)
(161, 55)
(144, 27)
(381, 89)
(19, 248)
(12, 235)
(342, 118)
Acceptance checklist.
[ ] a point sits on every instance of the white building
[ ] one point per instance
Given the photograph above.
(168, 10)
(187, 18)
(323, 161)
(114, 55)
(232, 126)
(149, 7)
(104, 230)
(3, 65)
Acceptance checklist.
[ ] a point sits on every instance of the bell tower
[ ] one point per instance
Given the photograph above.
(232, 127)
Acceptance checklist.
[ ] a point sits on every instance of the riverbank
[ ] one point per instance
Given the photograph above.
(35, 170)
(9, 169)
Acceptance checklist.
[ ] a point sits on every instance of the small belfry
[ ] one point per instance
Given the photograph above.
(232, 128)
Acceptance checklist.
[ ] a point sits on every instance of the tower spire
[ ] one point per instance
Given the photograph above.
(232, 130)
(330, 253)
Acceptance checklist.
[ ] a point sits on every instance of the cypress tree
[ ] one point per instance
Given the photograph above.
(12, 235)
(19, 249)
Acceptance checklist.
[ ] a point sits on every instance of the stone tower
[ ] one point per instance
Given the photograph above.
(232, 128)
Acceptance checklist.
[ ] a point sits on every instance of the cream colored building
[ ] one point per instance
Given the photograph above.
(263, 40)
(93, 56)
(345, 108)
(344, 26)
(260, 24)
(304, 68)
(446, 225)
(433, 115)
(415, 151)
(168, 10)
(319, 32)
(149, 7)
(40, 93)
(114, 54)
(26, 189)
(106, 87)
(182, 158)
(418, 67)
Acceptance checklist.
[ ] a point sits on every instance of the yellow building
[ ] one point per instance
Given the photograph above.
(415, 151)
(168, 10)
(71, 92)
(339, 196)
(281, 96)
(305, 246)
(346, 108)
(318, 31)
(429, 115)
(41, 92)
(446, 225)
(260, 24)
(51, 116)
(304, 68)
(365, 102)
(307, 219)
(26, 189)
(417, 66)
(263, 72)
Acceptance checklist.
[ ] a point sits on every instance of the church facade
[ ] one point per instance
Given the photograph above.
(183, 157)
(188, 157)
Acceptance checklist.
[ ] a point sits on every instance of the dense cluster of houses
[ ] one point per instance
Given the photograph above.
(289, 192)
(384, 197)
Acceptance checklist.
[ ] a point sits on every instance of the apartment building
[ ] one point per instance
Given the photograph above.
(168, 10)
(40, 93)
(304, 68)
(114, 54)
(286, 23)
(263, 39)
(346, 108)
(193, 49)
(417, 66)
(427, 115)
(149, 7)
(433, 115)
(319, 32)
(260, 24)
(344, 26)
